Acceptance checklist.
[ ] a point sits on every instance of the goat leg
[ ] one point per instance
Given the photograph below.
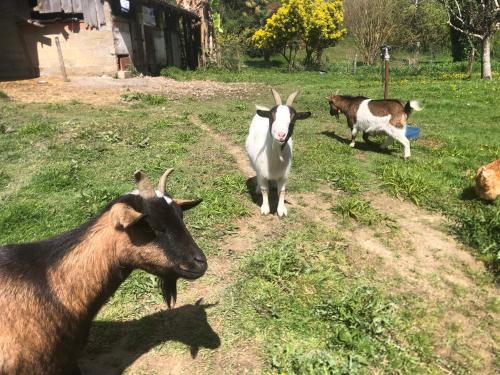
(353, 138)
(282, 211)
(264, 188)
(388, 141)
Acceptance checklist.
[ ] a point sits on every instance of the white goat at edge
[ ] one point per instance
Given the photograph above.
(269, 148)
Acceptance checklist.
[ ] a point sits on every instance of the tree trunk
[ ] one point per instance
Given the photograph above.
(485, 61)
(470, 65)
(319, 56)
(308, 59)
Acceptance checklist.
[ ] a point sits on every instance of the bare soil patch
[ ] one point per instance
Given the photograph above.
(106, 90)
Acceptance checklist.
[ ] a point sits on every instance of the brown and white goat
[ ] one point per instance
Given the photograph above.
(375, 116)
(51, 290)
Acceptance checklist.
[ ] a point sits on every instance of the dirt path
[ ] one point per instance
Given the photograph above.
(107, 90)
(419, 258)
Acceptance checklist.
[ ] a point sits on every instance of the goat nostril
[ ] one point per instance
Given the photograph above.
(200, 259)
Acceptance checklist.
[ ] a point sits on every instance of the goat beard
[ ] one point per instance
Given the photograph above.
(168, 287)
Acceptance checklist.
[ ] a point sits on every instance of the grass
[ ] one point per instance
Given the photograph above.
(359, 209)
(458, 134)
(294, 297)
(150, 99)
(298, 295)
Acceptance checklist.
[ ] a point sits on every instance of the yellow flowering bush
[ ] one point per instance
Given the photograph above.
(310, 24)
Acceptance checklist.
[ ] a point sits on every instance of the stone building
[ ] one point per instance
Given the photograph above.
(95, 37)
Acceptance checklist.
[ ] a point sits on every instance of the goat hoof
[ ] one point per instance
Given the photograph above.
(352, 144)
(264, 210)
(282, 211)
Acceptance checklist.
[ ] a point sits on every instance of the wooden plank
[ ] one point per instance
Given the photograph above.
(67, 6)
(89, 12)
(101, 19)
(77, 6)
(49, 6)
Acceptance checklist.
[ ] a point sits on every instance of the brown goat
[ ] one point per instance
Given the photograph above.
(51, 290)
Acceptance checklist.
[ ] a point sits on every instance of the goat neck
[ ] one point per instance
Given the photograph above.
(90, 273)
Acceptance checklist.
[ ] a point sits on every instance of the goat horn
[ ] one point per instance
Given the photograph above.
(277, 97)
(163, 180)
(144, 185)
(291, 98)
(337, 92)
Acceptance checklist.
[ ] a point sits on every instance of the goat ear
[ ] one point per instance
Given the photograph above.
(302, 115)
(123, 216)
(263, 113)
(188, 204)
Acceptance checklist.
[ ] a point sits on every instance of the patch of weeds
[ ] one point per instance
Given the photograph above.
(406, 182)
(479, 227)
(221, 199)
(282, 261)
(294, 293)
(163, 123)
(54, 106)
(175, 73)
(362, 322)
(211, 118)
(56, 177)
(146, 98)
(358, 209)
(108, 136)
(4, 179)
(303, 361)
(345, 178)
(93, 199)
(138, 287)
(3, 96)
(38, 127)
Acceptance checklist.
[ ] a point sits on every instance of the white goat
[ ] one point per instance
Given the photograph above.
(269, 147)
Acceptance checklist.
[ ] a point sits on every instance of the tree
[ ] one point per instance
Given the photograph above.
(421, 25)
(478, 19)
(371, 23)
(310, 24)
(323, 27)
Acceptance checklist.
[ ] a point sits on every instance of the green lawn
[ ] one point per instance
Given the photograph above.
(459, 133)
(299, 296)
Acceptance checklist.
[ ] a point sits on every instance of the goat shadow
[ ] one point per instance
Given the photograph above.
(366, 145)
(469, 194)
(114, 346)
(257, 197)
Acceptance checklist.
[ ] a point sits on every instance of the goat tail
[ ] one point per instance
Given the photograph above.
(412, 105)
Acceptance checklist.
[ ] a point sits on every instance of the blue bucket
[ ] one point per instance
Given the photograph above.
(412, 132)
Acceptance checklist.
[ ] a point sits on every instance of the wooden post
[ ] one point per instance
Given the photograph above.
(61, 60)
(385, 56)
(386, 80)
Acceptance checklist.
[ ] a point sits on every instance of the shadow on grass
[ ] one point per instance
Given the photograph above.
(114, 346)
(469, 194)
(257, 197)
(262, 64)
(367, 145)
